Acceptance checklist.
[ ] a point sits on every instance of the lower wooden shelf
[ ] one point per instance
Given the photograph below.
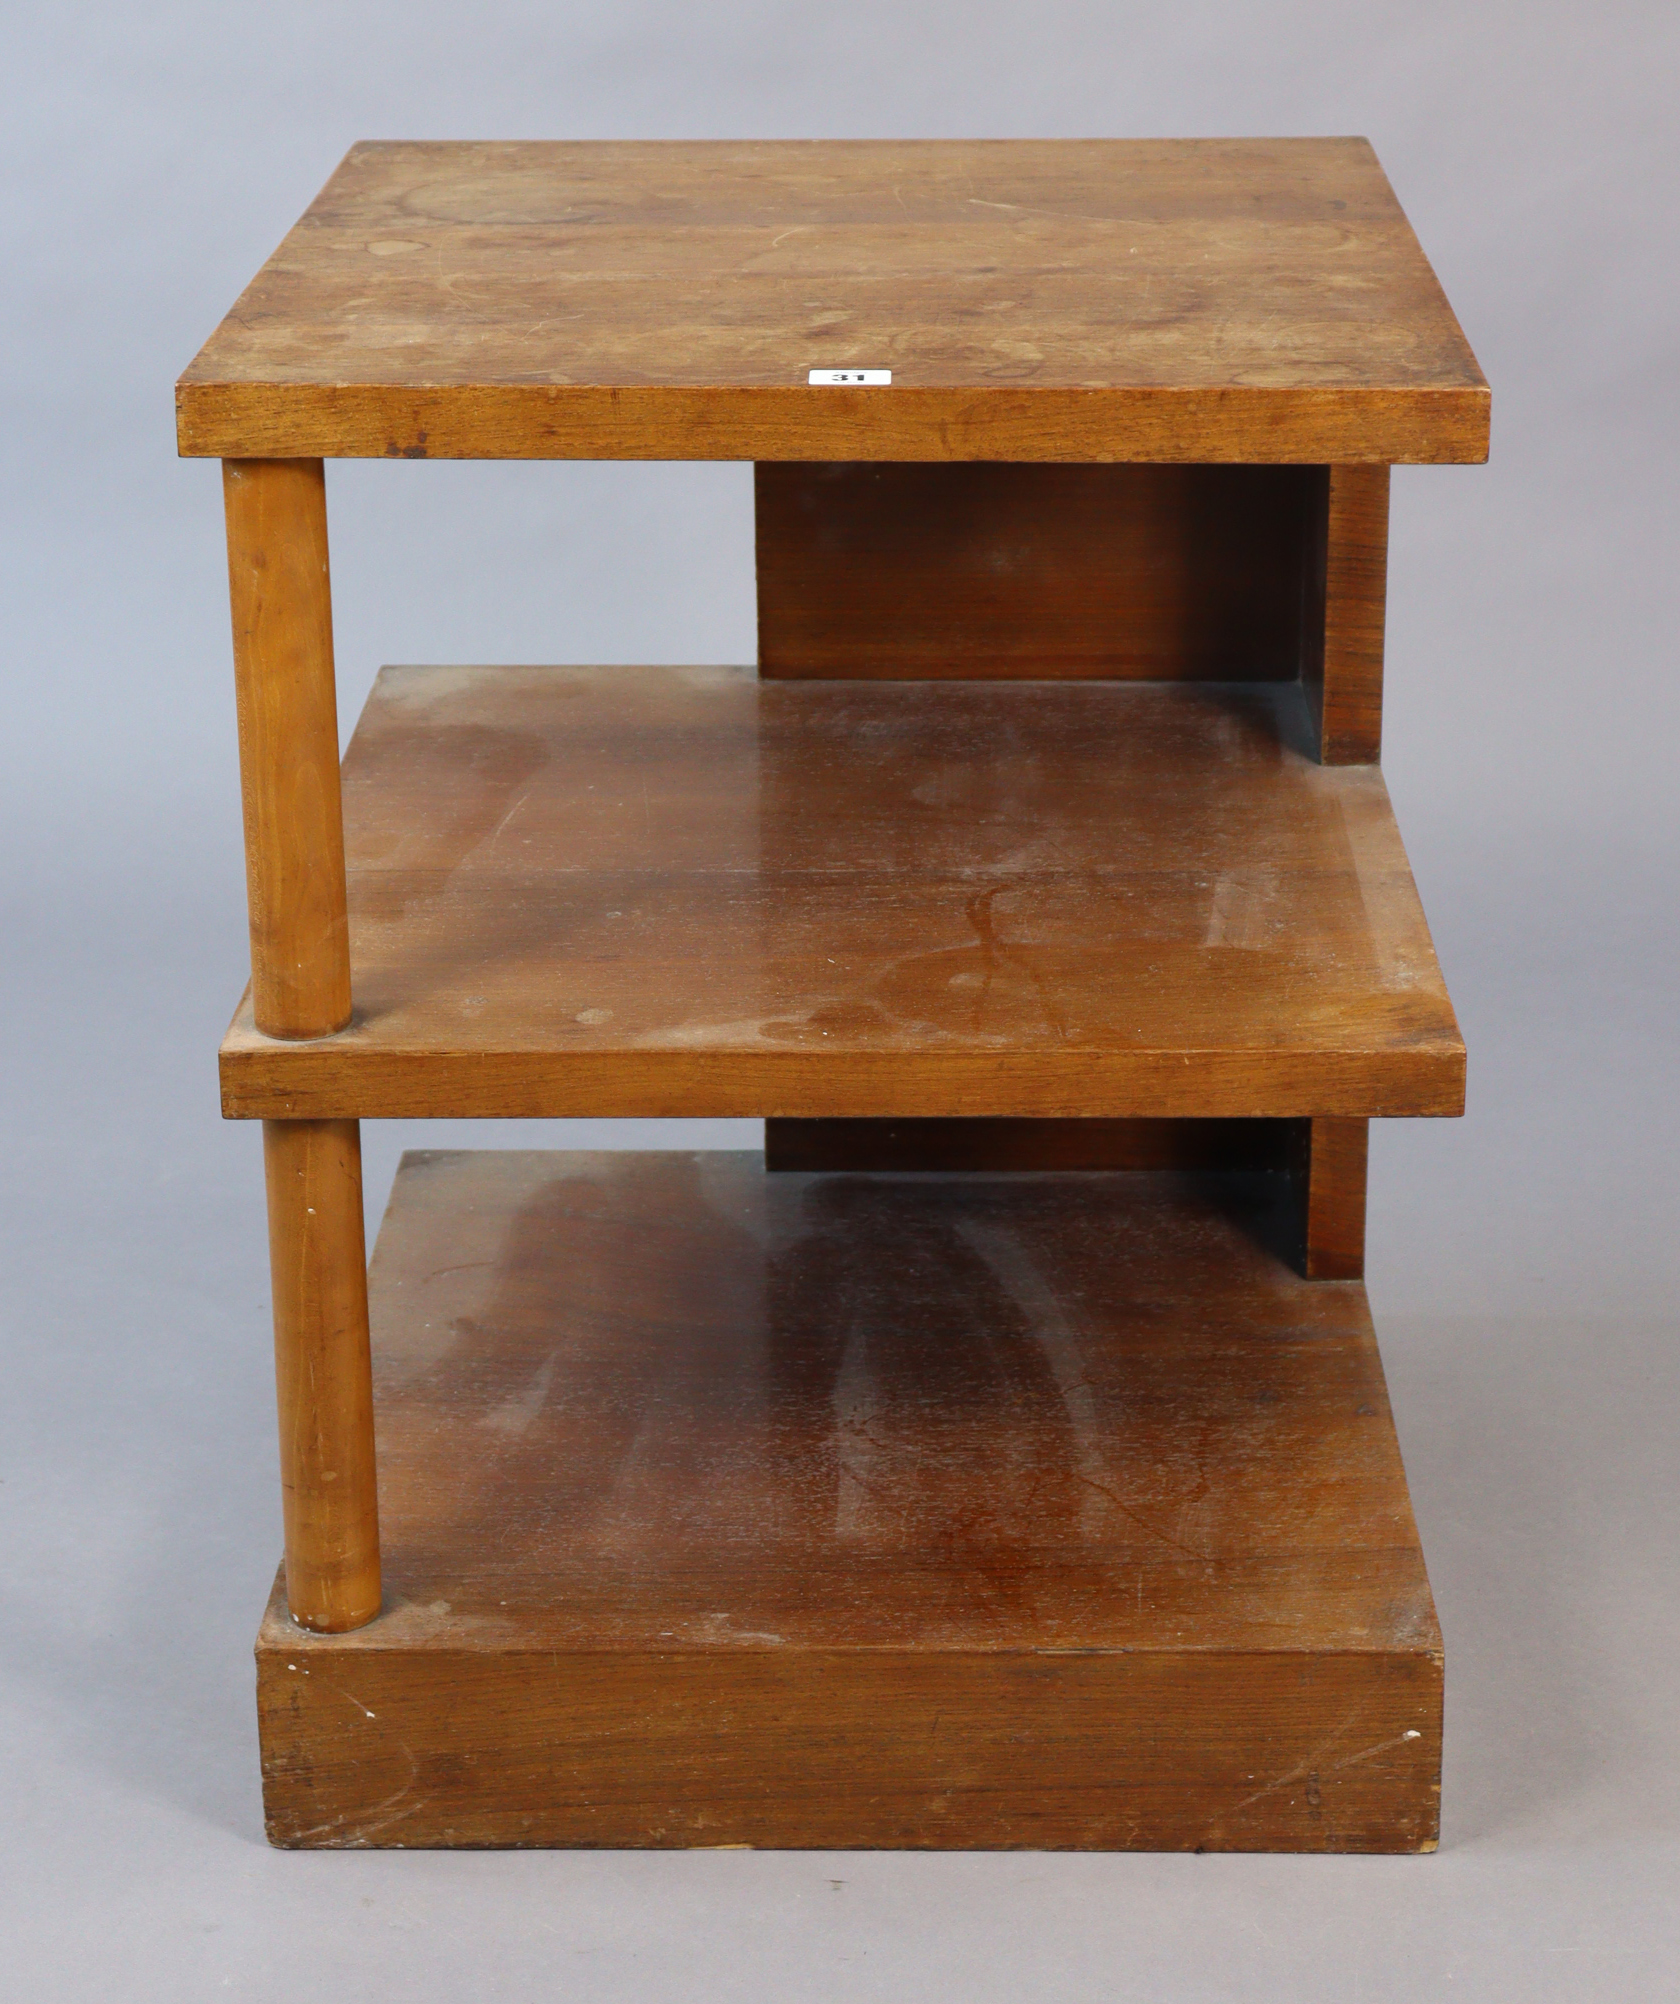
(730, 1508)
(689, 891)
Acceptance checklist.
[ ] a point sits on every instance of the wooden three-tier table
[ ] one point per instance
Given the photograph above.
(1003, 1458)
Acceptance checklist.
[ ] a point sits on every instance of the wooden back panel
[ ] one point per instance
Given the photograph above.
(981, 570)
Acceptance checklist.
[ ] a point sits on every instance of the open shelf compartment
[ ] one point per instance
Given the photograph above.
(725, 1507)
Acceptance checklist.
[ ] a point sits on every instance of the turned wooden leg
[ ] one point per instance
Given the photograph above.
(288, 744)
(300, 987)
(323, 1371)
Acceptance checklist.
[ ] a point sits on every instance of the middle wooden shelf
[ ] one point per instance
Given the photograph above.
(686, 891)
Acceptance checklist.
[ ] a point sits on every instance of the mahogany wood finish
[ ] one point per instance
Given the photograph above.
(288, 745)
(686, 891)
(1114, 300)
(1345, 610)
(934, 571)
(726, 1508)
(322, 1369)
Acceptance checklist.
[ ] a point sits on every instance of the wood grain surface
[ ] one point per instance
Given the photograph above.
(730, 1508)
(1188, 300)
(322, 1371)
(1345, 611)
(977, 571)
(1331, 1176)
(281, 599)
(685, 891)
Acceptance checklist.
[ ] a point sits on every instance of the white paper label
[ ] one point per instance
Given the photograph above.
(826, 376)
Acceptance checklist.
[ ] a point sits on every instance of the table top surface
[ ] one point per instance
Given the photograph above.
(1091, 299)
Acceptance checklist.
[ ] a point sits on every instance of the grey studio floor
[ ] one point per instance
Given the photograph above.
(1523, 1261)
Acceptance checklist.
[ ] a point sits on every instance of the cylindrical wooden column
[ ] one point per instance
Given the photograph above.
(323, 1371)
(300, 987)
(288, 744)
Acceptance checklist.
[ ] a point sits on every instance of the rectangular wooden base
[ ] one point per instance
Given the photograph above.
(723, 1507)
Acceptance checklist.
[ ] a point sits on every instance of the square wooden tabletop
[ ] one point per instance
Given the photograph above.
(1096, 300)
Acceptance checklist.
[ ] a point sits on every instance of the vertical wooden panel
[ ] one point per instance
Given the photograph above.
(288, 745)
(1345, 589)
(323, 1371)
(1345, 592)
(1331, 1176)
(997, 570)
(993, 570)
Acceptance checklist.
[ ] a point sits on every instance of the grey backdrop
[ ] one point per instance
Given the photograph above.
(1523, 1261)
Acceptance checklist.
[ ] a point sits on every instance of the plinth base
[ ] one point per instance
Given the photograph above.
(726, 1508)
